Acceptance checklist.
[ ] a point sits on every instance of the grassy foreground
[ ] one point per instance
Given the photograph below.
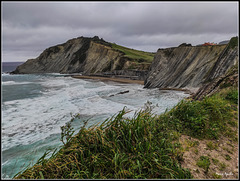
(145, 146)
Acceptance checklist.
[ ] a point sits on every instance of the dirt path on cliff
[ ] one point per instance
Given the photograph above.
(130, 81)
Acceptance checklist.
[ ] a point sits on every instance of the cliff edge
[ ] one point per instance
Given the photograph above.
(190, 67)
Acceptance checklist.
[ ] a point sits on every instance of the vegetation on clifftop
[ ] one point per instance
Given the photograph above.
(233, 42)
(137, 55)
(206, 119)
(145, 146)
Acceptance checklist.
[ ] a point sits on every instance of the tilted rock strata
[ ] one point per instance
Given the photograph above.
(78, 55)
(57, 59)
(189, 67)
(230, 79)
(186, 67)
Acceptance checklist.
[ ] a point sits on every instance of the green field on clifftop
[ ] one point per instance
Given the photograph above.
(139, 56)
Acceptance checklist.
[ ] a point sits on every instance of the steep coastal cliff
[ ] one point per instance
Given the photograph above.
(186, 66)
(87, 56)
(191, 66)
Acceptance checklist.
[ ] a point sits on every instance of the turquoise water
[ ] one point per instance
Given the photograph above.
(34, 107)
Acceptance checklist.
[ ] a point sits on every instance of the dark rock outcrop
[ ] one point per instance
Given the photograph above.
(190, 67)
(123, 92)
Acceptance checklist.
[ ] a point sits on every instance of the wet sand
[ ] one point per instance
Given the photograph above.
(130, 81)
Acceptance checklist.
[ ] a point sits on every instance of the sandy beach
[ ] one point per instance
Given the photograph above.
(130, 81)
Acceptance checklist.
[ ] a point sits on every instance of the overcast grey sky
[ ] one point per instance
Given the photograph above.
(28, 28)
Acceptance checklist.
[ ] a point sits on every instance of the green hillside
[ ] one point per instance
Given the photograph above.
(137, 55)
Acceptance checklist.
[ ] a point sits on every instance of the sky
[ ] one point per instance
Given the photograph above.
(28, 28)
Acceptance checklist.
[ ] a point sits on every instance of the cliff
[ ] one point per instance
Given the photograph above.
(186, 66)
(230, 79)
(190, 67)
(87, 56)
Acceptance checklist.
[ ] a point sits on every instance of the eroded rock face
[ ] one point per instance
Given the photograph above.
(78, 55)
(57, 59)
(230, 79)
(190, 67)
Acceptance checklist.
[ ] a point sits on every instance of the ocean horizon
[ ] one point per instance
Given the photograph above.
(10, 66)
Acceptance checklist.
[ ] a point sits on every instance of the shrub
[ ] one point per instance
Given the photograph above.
(227, 157)
(233, 42)
(232, 95)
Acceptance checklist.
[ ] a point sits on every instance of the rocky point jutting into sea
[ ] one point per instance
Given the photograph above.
(88, 56)
(185, 67)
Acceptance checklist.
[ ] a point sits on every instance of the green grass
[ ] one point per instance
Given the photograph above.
(227, 157)
(118, 148)
(212, 146)
(232, 44)
(205, 119)
(143, 147)
(204, 162)
(137, 55)
(233, 95)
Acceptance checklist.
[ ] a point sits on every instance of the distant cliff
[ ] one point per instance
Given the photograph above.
(190, 67)
(87, 56)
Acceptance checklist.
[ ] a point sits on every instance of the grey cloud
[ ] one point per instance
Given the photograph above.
(182, 18)
(59, 14)
(141, 25)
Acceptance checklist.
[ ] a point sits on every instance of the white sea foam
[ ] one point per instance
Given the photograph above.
(14, 83)
(29, 120)
(8, 82)
(5, 74)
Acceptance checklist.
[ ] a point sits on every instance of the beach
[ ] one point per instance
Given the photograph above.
(121, 80)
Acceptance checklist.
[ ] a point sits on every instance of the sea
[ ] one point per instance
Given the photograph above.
(35, 106)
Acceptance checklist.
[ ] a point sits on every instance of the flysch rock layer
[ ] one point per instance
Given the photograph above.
(189, 67)
(78, 55)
